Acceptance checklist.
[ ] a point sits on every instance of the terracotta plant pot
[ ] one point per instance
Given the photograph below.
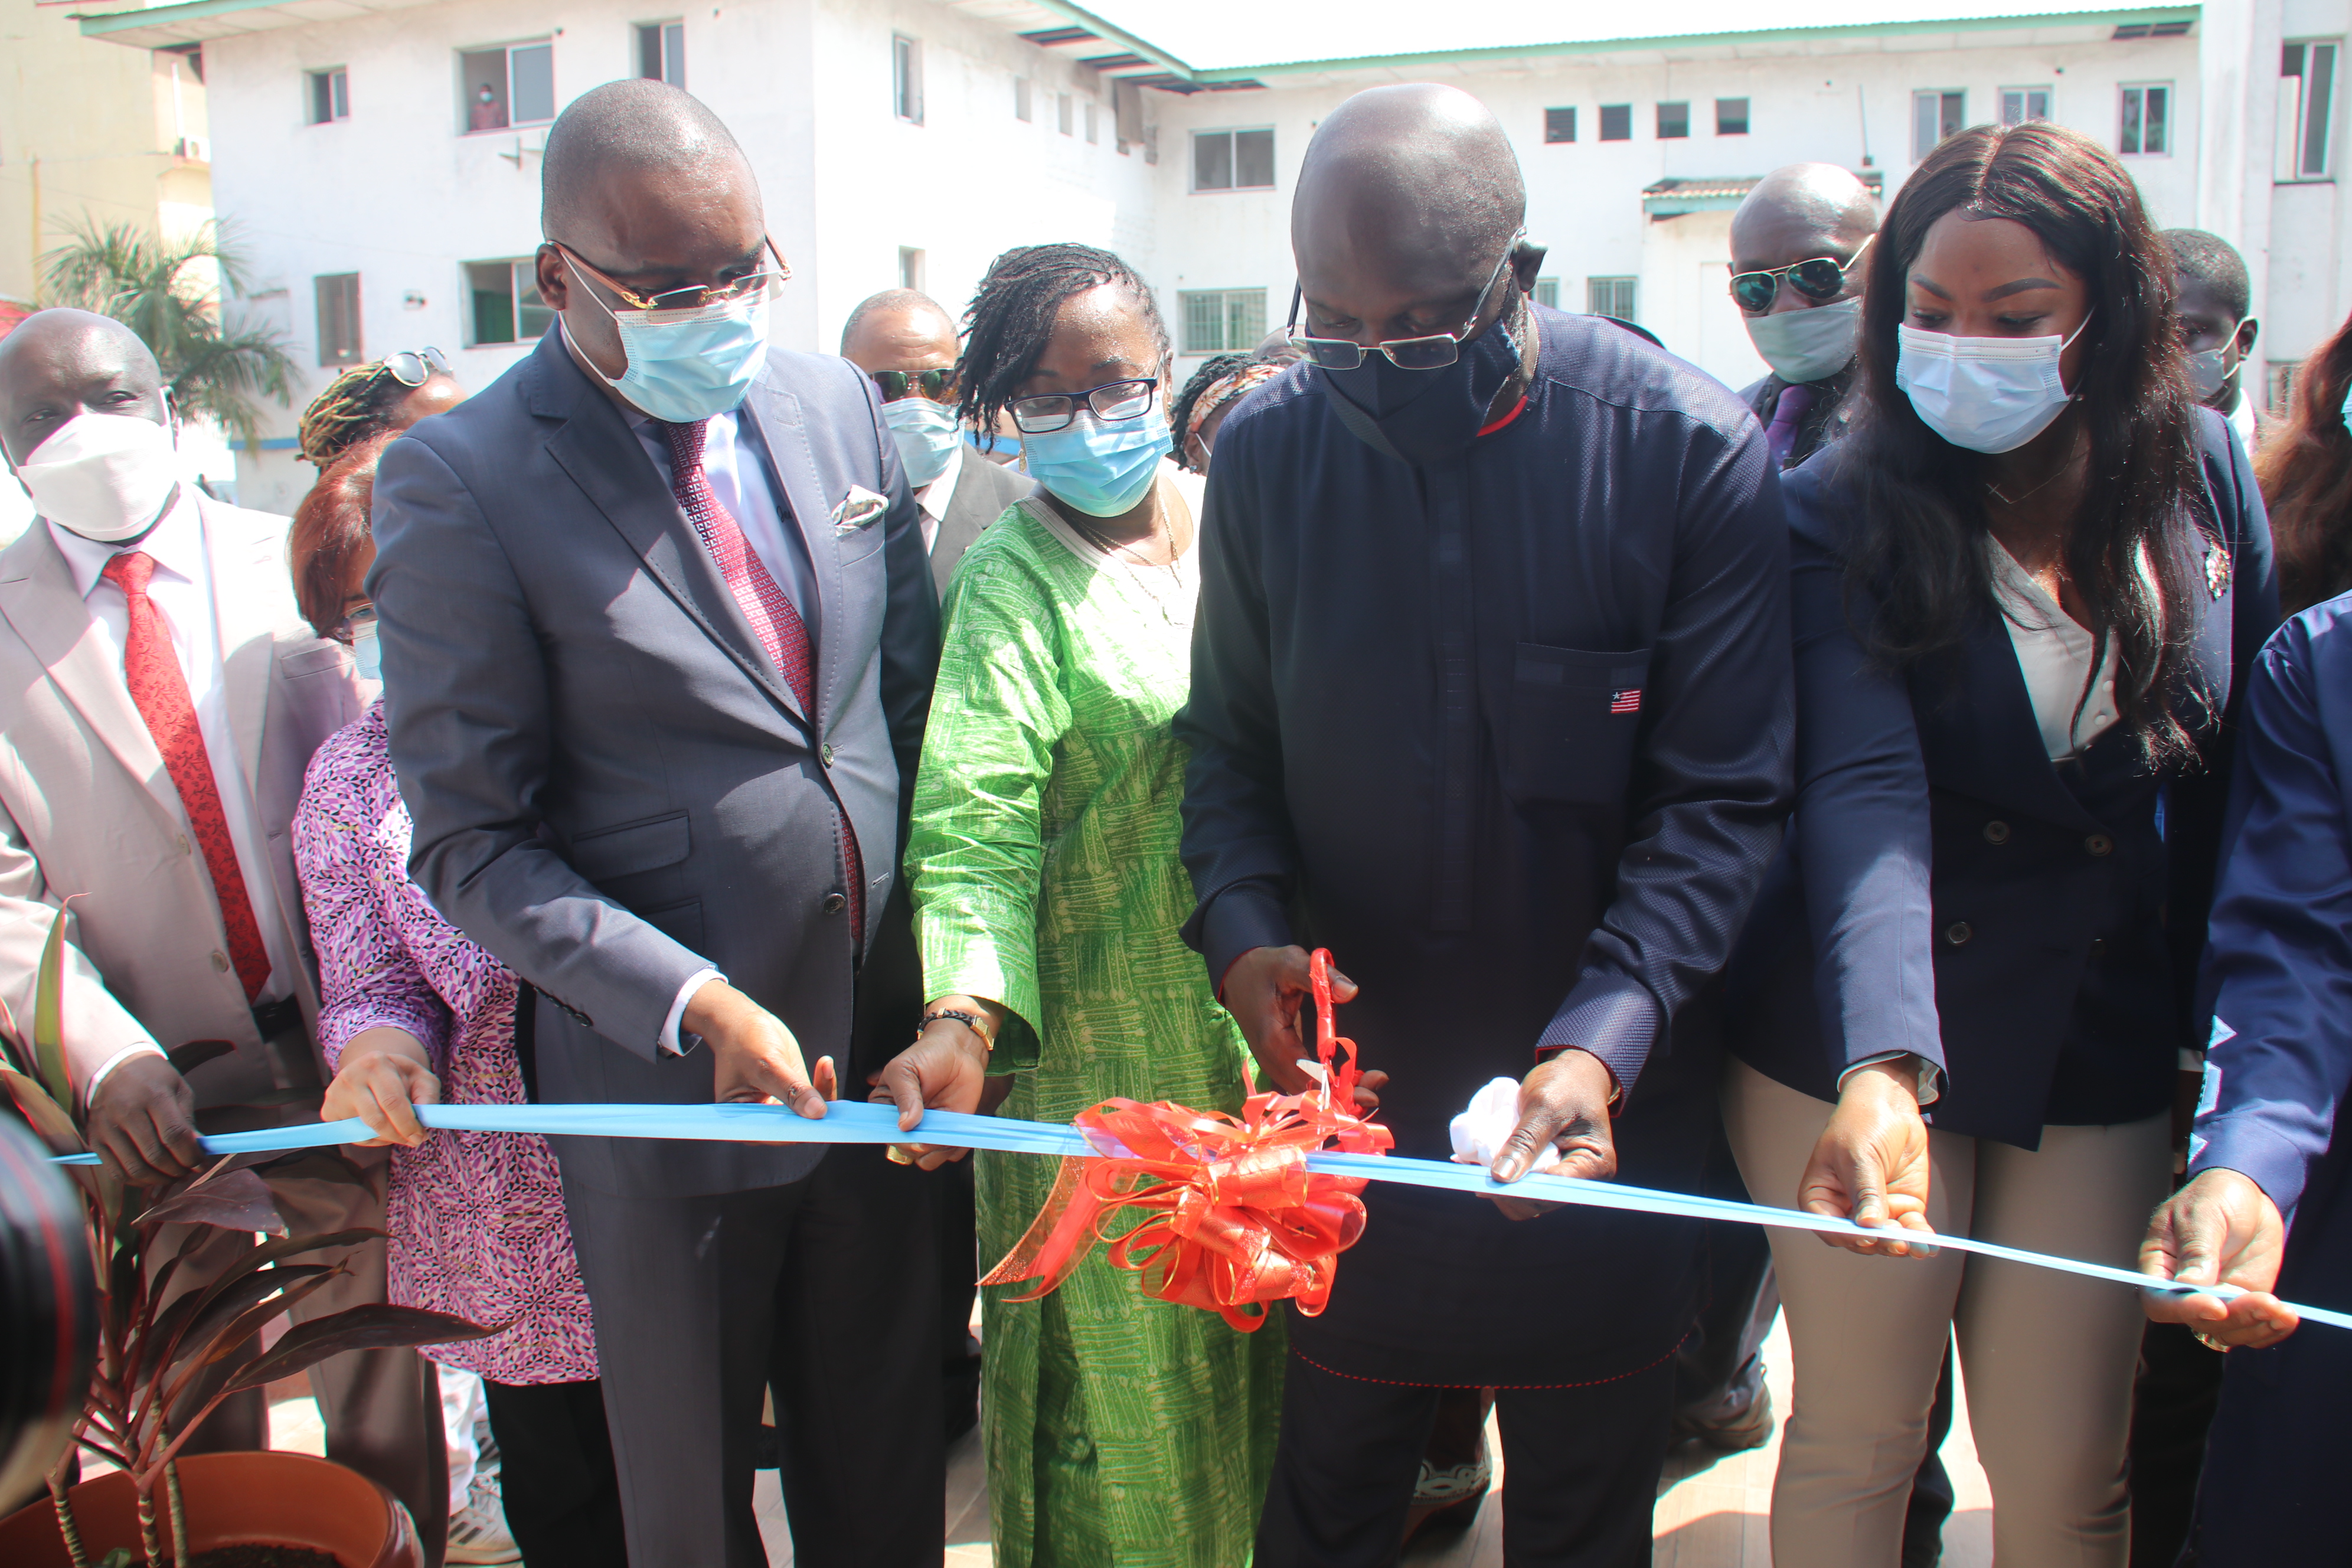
(284, 1499)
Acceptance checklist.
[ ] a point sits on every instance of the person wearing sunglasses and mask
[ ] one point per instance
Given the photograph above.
(1796, 241)
(1491, 697)
(2212, 297)
(657, 639)
(1048, 894)
(2028, 586)
(369, 399)
(908, 345)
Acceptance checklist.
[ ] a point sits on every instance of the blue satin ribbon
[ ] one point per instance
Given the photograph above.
(859, 1122)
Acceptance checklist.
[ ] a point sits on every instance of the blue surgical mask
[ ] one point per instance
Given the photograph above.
(1988, 395)
(1807, 345)
(366, 651)
(692, 364)
(925, 434)
(1103, 468)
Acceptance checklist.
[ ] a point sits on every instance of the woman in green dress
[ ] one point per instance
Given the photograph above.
(1121, 1430)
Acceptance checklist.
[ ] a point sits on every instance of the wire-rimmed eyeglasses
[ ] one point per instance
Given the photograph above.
(1434, 351)
(672, 305)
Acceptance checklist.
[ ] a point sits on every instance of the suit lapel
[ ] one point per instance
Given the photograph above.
(38, 598)
(602, 454)
(250, 609)
(1980, 735)
(776, 416)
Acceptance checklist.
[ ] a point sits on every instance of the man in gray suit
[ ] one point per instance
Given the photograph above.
(658, 642)
(908, 346)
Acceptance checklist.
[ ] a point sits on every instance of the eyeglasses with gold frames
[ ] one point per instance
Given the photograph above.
(678, 304)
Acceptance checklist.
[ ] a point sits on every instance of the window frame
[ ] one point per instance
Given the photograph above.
(2294, 166)
(906, 79)
(1682, 105)
(345, 288)
(506, 86)
(1253, 303)
(1747, 116)
(1632, 287)
(1233, 135)
(1065, 113)
(2124, 121)
(1920, 147)
(1553, 121)
(337, 81)
(664, 33)
(518, 268)
(1547, 293)
(1022, 109)
(2049, 97)
(911, 267)
(1623, 110)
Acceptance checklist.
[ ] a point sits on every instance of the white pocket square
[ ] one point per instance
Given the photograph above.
(857, 510)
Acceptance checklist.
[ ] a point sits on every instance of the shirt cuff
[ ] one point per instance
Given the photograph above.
(144, 1048)
(1241, 917)
(2241, 1143)
(1614, 1018)
(668, 1040)
(1928, 1087)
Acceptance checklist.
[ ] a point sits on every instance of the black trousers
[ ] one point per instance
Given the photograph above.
(826, 1290)
(1579, 1478)
(556, 1480)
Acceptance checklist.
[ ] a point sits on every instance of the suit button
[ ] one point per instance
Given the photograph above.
(1958, 933)
(1996, 832)
(2098, 947)
(834, 904)
(184, 844)
(2099, 844)
(220, 961)
(824, 753)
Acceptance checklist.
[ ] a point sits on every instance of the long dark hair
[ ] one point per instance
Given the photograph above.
(2306, 470)
(1918, 556)
(1010, 319)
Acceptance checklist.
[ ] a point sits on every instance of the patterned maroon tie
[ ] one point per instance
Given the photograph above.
(158, 687)
(774, 620)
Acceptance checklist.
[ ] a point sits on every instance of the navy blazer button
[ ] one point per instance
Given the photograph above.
(834, 904)
(2098, 947)
(1996, 832)
(824, 753)
(2099, 844)
(1958, 933)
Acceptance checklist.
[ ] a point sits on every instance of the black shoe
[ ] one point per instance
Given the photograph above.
(1750, 1429)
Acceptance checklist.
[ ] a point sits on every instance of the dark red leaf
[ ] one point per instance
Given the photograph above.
(48, 1119)
(376, 1326)
(233, 1200)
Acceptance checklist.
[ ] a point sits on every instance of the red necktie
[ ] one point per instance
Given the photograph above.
(774, 620)
(160, 689)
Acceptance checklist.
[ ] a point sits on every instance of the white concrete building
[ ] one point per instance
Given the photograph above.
(913, 140)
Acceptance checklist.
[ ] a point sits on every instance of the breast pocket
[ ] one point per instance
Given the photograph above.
(611, 852)
(1570, 719)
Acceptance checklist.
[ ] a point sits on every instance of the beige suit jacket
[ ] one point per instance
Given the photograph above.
(89, 813)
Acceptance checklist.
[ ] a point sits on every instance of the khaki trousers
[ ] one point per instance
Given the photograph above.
(2048, 1357)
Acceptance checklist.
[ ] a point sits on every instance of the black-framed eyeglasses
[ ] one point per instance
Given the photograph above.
(1820, 278)
(935, 385)
(415, 367)
(672, 305)
(1112, 401)
(1434, 351)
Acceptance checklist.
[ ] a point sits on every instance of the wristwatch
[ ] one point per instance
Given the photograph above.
(972, 1021)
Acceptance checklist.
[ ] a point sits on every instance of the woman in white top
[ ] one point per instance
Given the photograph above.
(2025, 590)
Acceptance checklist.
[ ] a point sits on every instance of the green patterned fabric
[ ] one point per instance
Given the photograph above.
(1121, 1430)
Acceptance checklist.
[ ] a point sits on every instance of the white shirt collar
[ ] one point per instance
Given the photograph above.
(2242, 420)
(176, 545)
(933, 497)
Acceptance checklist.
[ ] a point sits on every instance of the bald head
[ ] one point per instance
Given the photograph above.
(1798, 213)
(625, 134)
(59, 365)
(894, 322)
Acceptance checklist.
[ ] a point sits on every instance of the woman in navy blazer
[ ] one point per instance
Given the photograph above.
(2024, 589)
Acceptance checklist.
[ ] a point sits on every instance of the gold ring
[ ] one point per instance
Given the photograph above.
(898, 1156)
(2209, 1342)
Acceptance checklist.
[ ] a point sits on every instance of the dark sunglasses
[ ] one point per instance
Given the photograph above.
(1115, 400)
(415, 367)
(1820, 280)
(934, 384)
(1434, 352)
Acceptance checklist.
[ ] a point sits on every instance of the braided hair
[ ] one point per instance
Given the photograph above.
(1221, 380)
(358, 404)
(1010, 319)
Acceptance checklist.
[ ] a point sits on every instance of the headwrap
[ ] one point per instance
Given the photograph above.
(1225, 390)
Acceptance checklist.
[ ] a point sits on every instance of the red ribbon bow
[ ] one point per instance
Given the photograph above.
(1232, 1219)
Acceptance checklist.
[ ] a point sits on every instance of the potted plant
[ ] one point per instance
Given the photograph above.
(166, 1362)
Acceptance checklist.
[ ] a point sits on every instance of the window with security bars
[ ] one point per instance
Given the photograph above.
(2021, 104)
(339, 319)
(1611, 297)
(503, 302)
(2306, 110)
(1616, 123)
(1731, 117)
(1232, 159)
(2147, 127)
(1673, 121)
(1933, 116)
(1560, 124)
(1547, 294)
(1222, 320)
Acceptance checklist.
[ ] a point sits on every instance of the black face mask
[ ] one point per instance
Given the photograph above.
(1428, 415)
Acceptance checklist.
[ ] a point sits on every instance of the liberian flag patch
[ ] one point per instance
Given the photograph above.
(1626, 701)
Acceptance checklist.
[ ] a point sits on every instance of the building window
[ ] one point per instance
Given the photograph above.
(1731, 117)
(505, 306)
(1616, 123)
(1560, 124)
(1222, 320)
(1062, 106)
(1093, 129)
(339, 319)
(2020, 104)
(512, 85)
(1611, 297)
(1021, 98)
(907, 78)
(910, 268)
(331, 96)
(1933, 116)
(661, 52)
(2307, 111)
(2130, 30)
(2282, 385)
(1547, 294)
(2147, 116)
(1232, 159)
(1673, 121)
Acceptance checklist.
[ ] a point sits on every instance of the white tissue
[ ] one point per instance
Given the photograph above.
(1484, 1126)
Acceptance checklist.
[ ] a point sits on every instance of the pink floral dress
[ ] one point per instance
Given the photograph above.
(476, 1218)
